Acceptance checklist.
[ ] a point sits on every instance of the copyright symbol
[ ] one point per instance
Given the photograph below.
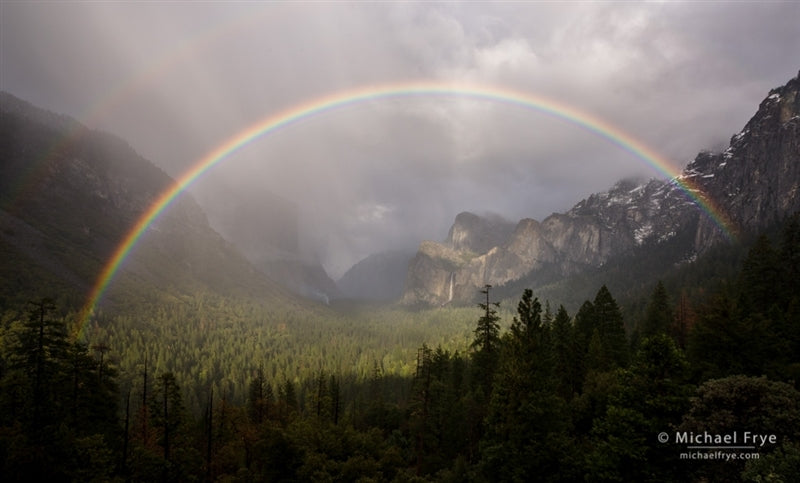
(663, 437)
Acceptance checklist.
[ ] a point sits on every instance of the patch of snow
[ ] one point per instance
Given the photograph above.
(620, 200)
(737, 137)
(666, 236)
(774, 96)
(643, 233)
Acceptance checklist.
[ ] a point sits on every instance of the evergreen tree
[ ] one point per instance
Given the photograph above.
(789, 256)
(722, 406)
(584, 325)
(726, 340)
(257, 399)
(526, 434)
(420, 419)
(168, 419)
(40, 355)
(59, 409)
(527, 325)
(659, 318)
(336, 398)
(761, 277)
(683, 321)
(287, 400)
(608, 321)
(566, 361)
(487, 333)
(651, 397)
(486, 343)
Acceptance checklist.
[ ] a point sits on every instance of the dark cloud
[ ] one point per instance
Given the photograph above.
(176, 80)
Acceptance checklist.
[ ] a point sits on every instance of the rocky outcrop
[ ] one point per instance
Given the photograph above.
(431, 274)
(756, 180)
(598, 227)
(752, 184)
(478, 234)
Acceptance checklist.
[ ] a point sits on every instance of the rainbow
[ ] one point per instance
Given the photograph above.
(332, 102)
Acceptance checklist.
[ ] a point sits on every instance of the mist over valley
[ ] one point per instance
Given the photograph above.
(399, 242)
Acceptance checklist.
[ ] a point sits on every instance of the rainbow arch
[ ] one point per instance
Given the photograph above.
(329, 103)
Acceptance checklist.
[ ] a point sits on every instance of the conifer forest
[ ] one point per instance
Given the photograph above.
(216, 389)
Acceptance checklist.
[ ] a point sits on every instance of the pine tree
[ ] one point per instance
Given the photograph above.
(486, 343)
(566, 364)
(336, 398)
(789, 255)
(487, 333)
(40, 354)
(761, 276)
(584, 325)
(683, 321)
(608, 321)
(527, 325)
(659, 317)
(168, 416)
(526, 423)
(256, 398)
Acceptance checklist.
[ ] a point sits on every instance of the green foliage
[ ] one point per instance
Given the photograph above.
(651, 396)
(58, 404)
(486, 345)
(659, 318)
(527, 423)
(780, 466)
(742, 403)
(250, 390)
(751, 327)
(608, 323)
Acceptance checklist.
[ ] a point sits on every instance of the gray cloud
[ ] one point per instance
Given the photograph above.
(176, 80)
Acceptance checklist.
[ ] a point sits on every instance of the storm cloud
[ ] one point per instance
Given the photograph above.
(177, 79)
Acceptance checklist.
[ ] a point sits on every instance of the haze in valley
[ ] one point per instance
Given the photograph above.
(176, 80)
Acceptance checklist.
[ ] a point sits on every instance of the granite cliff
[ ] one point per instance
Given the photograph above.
(750, 185)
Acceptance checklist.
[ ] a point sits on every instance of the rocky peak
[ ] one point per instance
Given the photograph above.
(754, 182)
(478, 234)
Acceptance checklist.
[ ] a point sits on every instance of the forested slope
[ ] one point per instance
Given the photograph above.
(443, 395)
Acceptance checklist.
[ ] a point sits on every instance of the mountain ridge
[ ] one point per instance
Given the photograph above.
(635, 214)
(69, 195)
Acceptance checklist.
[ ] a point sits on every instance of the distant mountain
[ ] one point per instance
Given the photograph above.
(755, 183)
(379, 277)
(69, 195)
(306, 278)
(264, 227)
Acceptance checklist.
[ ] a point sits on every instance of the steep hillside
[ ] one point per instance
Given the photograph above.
(69, 195)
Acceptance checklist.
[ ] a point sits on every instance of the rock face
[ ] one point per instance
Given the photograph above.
(756, 179)
(473, 233)
(753, 183)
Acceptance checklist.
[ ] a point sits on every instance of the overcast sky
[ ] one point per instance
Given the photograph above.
(176, 79)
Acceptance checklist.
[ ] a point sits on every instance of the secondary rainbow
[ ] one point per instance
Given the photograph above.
(351, 97)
